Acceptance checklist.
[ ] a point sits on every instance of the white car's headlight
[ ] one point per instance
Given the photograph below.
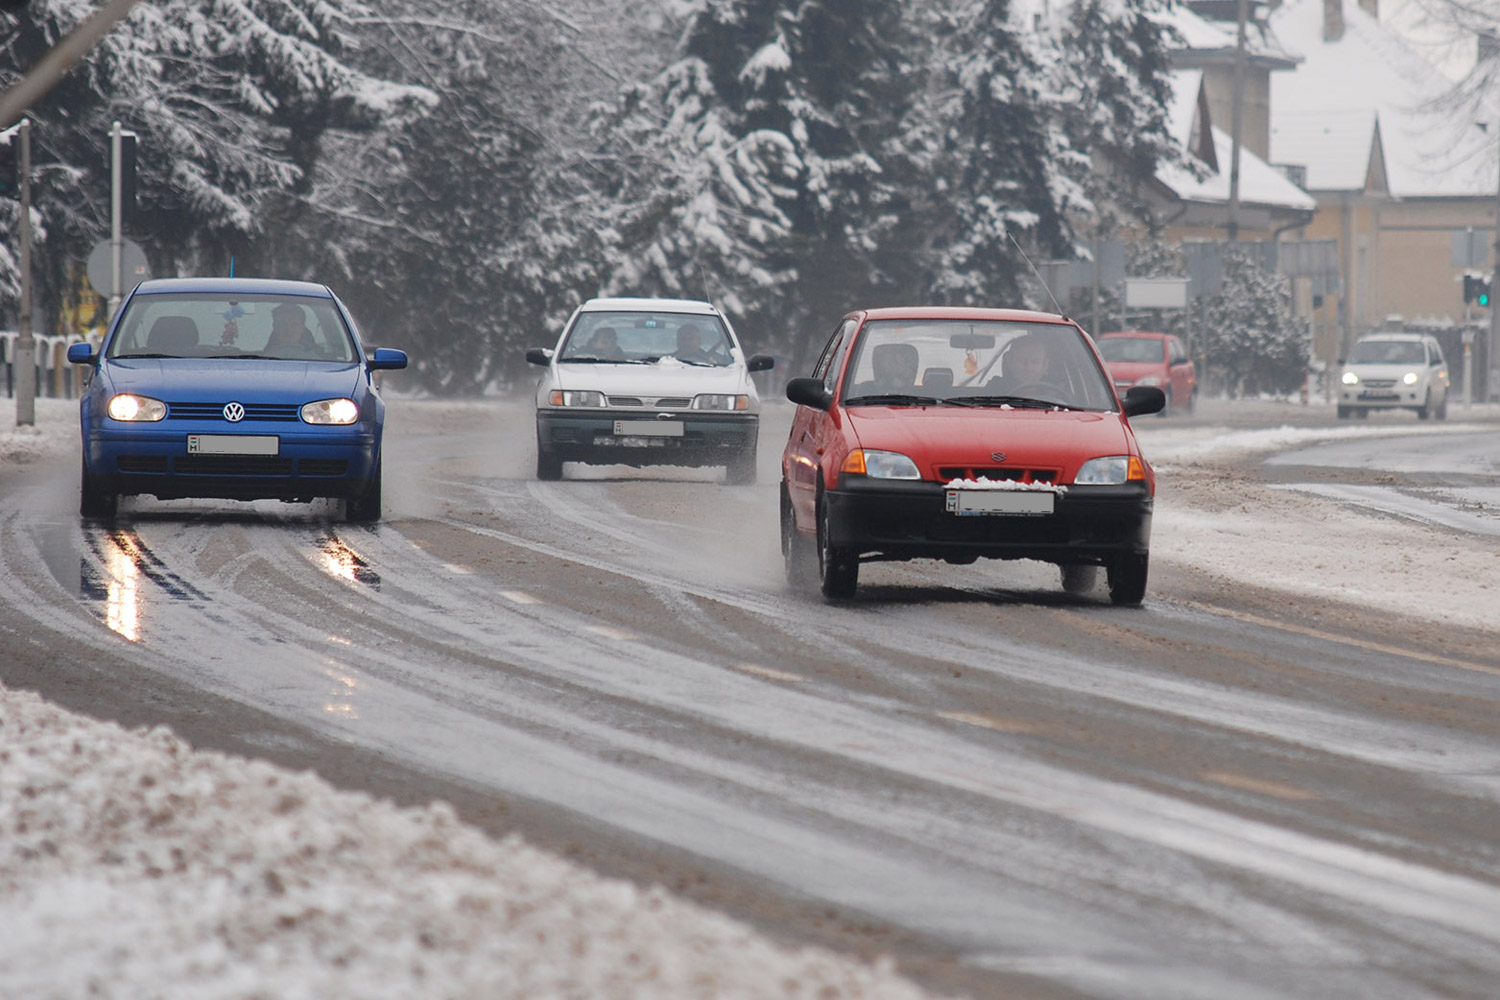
(331, 411)
(881, 464)
(720, 401)
(1349, 378)
(576, 397)
(128, 406)
(1111, 470)
(1410, 378)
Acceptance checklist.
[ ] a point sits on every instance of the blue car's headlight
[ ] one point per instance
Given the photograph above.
(331, 411)
(129, 406)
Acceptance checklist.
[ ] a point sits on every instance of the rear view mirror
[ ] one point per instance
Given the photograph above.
(80, 354)
(1143, 399)
(809, 392)
(539, 356)
(760, 363)
(971, 341)
(387, 359)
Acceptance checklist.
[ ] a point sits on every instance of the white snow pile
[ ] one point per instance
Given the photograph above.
(133, 866)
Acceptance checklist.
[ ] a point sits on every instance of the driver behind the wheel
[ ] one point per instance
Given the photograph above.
(1027, 361)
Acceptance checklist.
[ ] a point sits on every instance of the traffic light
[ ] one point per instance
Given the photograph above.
(10, 167)
(1477, 290)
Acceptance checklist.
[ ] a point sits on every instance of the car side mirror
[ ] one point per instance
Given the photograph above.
(539, 356)
(760, 363)
(386, 359)
(1143, 399)
(81, 354)
(810, 392)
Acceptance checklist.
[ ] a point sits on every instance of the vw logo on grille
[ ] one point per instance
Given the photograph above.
(234, 412)
(997, 456)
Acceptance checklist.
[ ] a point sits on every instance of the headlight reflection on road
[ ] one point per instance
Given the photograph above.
(341, 701)
(122, 601)
(344, 563)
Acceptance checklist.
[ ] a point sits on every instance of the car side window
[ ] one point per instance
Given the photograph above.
(830, 352)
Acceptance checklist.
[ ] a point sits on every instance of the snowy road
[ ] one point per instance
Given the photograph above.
(1260, 785)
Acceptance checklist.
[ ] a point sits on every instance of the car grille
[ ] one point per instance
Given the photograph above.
(283, 412)
(995, 473)
(142, 463)
(232, 465)
(322, 467)
(662, 403)
(1378, 383)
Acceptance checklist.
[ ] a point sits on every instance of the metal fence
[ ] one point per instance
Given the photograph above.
(54, 376)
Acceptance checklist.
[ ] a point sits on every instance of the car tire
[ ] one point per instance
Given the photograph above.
(365, 508)
(94, 501)
(548, 466)
(1343, 413)
(797, 550)
(1079, 579)
(1127, 578)
(1425, 410)
(838, 567)
(741, 468)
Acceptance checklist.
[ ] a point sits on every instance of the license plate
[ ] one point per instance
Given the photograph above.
(234, 444)
(977, 503)
(650, 428)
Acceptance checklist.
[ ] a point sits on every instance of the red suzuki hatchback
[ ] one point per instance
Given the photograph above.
(954, 433)
(1159, 359)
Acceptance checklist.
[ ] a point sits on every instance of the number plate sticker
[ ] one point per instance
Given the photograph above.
(234, 444)
(650, 428)
(1024, 503)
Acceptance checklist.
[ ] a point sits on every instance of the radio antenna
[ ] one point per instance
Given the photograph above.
(1042, 281)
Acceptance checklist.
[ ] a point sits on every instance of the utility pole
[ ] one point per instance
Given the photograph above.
(116, 238)
(1492, 387)
(1236, 119)
(25, 342)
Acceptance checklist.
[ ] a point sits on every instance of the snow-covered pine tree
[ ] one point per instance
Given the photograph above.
(1249, 339)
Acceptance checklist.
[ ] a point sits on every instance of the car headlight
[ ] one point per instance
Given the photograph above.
(576, 397)
(331, 411)
(881, 464)
(1410, 378)
(720, 401)
(1349, 378)
(1111, 470)
(1149, 380)
(128, 406)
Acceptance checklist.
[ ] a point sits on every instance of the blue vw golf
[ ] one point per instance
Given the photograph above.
(237, 388)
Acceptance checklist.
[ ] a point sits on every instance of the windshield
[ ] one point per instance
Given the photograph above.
(219, 325)
(1388, 352)
(1146, 349)
(646, 338)
(966, 363)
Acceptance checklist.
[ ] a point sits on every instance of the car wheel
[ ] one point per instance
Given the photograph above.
(365, 508)
(838, 567)
(548, 466)
(797, 550)
(1425, 410)
(741, 468)
(1343, 413)
(1079, 579)
(1127, 578)
(94, 501)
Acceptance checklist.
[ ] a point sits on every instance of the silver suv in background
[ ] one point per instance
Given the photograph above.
(1391, 371)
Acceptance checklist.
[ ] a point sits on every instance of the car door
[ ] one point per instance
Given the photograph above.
(810, 428)
(1440, 380)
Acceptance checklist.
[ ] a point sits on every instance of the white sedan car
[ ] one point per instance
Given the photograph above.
(647, 382)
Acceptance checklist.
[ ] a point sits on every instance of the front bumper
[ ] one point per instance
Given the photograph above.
(616, 437)
(309, 462)
(897, 519)
(1383, 398)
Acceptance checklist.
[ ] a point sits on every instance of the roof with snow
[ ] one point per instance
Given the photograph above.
(1214, 41)
(1370, 70)
(1340, 149)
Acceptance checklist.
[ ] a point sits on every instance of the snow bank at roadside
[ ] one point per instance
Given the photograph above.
(131, 865)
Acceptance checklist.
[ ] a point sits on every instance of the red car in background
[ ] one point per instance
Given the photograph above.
(1156, 359)
(954, 433)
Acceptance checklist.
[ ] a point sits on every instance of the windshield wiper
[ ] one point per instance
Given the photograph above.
(1020, 402)
(589, 359)
(891, 399)
(144, 354)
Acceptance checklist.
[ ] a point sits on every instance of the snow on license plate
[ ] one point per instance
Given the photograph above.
(975, 503)
(233, 444)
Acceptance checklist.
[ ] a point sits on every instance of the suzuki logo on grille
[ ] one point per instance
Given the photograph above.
(234, 412)
(997, 456)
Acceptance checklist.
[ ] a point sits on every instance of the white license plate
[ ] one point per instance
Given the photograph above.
(650, 428)
(234, 444)
(972, 503)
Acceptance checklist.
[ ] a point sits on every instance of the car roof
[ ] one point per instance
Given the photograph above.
(977, 313)
(625, 304)
(1392, 335)
(247, 286)
(1137, 333)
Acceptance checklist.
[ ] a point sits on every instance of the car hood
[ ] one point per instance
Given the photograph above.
(953, 436)
(209, 379)
(667, 378)
(1364, 370)
(1124, 371)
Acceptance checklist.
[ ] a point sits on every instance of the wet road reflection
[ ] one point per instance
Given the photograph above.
(340, 561)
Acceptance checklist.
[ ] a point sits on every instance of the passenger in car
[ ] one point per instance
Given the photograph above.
(690, 346)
